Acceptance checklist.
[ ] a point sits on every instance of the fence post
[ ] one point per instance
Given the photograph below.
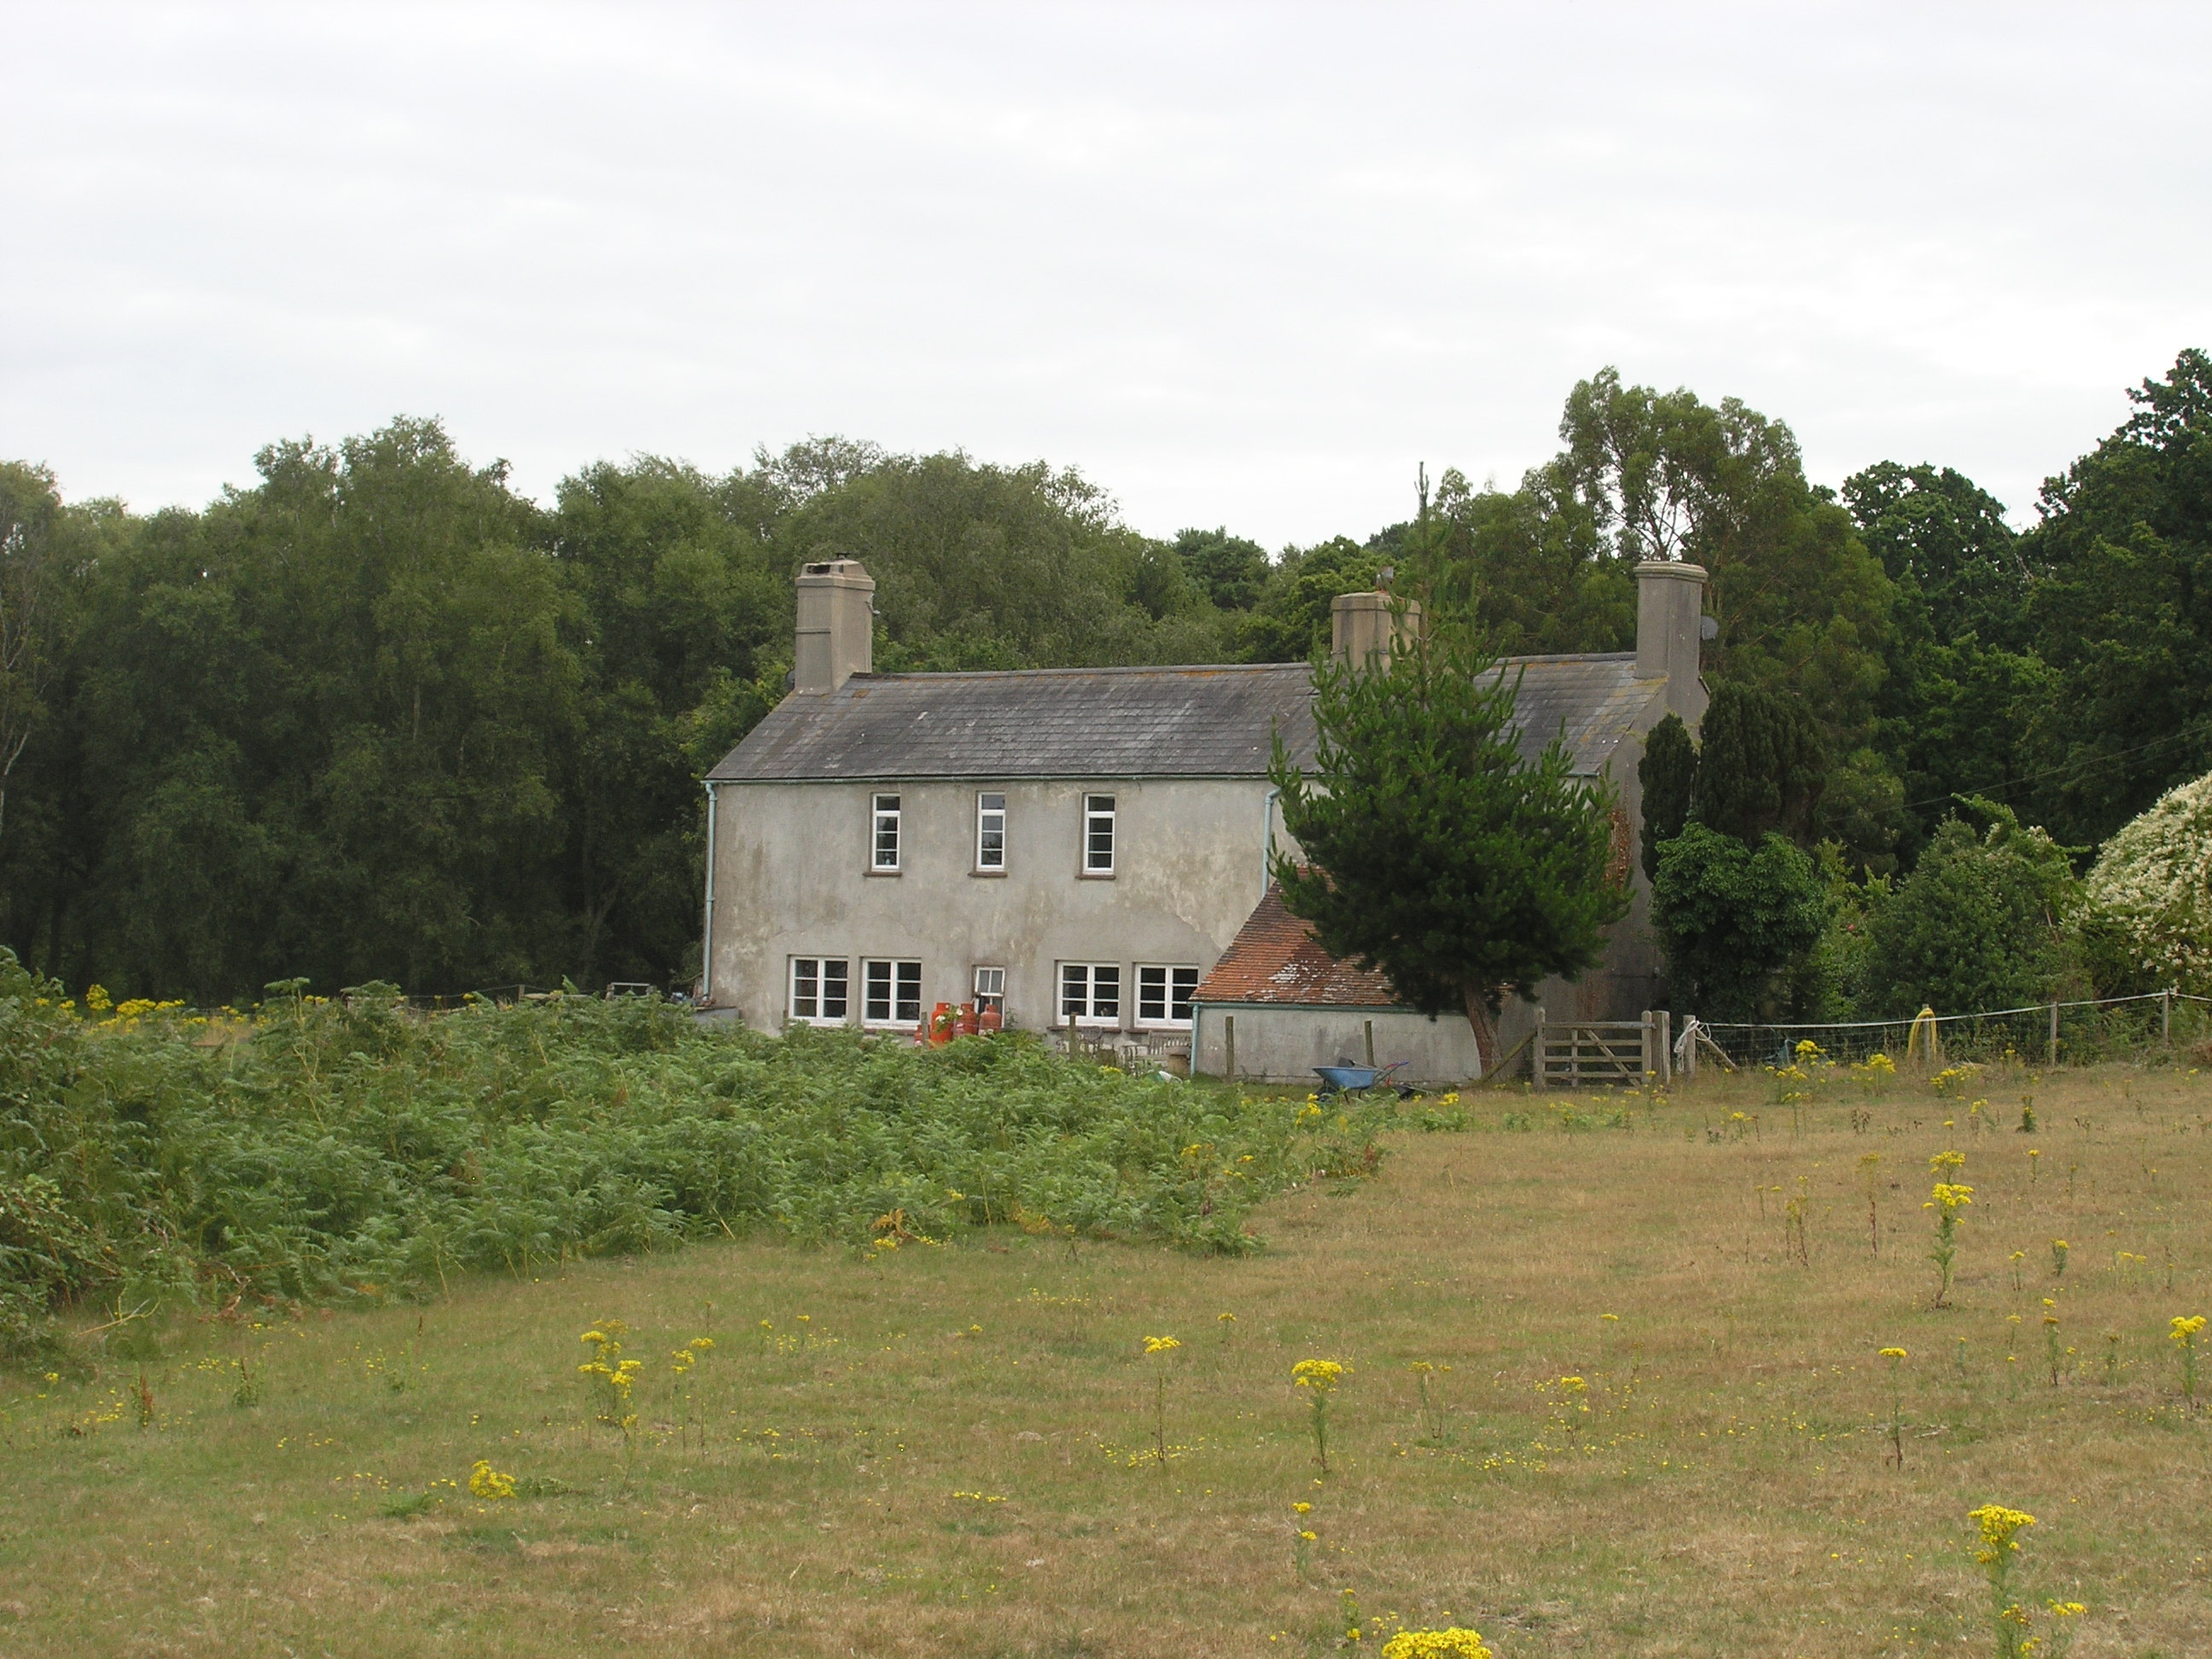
(1370, 1045)
(1536, 1051)
(2054, 1034)
(1666, 1045)
(2166, 1017)
(1229, 1036)
(1646, 1069)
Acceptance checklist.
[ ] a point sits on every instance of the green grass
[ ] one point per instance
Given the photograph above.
(1727, 1492)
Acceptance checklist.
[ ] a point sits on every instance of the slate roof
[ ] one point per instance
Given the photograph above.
(1275, 958)
(1037, 722)
(1215, 721)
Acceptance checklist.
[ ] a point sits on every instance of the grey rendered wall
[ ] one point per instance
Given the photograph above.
(792, 878)
(1628, 977)
(1280, 1044)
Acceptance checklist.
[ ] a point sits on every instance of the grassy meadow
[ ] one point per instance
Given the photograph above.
(953, 1449)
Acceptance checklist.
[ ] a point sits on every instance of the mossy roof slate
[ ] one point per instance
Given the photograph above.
(1209, 721)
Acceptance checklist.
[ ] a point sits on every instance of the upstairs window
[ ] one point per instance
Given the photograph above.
(1098, 835)
(885, 855)
(818, 989)
(1091, 992)
(1163, 995)
(990, 832)
(890, 993)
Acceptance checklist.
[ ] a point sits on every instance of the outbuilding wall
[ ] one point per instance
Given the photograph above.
(1278, 1043)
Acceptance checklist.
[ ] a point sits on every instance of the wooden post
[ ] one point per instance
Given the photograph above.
(1229, 1036)
(2054, 1034)
(2166, 1017)
(1690, 1054)
(1536, 1051)
(1370, 1045)
(1666, 1045)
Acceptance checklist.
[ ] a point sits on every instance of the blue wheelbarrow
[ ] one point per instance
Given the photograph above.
(1358, 1079)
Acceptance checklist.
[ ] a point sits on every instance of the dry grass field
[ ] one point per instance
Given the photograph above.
(951, 1450)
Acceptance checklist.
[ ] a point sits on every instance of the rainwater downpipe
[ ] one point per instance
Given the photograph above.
(707, 950)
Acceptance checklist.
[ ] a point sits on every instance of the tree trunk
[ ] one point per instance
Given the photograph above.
(1485, 1026)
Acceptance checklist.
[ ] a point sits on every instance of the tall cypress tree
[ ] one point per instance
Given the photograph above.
(1667, 773)
(1761, 767)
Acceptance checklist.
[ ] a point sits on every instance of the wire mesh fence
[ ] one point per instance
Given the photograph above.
(2042, 1034)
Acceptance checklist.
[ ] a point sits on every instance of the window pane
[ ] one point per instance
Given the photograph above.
(1186, 985)
(806, 985)
(1098, 832)
(1151, 993)
(990, 981)
(1074, 991)
(887, 832)
(1105, 993)
(834, 1001)
(990, 832)
(909, 993)
(876, 1006)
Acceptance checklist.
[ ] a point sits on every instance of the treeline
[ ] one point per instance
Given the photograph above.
(379, 716)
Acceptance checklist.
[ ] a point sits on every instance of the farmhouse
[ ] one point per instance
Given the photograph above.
(1077, 849)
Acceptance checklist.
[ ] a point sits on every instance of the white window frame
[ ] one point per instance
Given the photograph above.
(1094, 816)
(1077, 986)
(990, 820)
(1165, 980)
(902, 972)
(990, 988)
(884, 823)
(815, 998)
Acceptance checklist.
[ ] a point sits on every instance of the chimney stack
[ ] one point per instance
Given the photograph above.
(1364, 629)
(837, 625)
(1669, 638)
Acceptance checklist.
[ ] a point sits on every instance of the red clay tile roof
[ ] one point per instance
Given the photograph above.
(1275, 958)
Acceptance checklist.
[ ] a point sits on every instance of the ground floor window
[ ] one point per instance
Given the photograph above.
(818, 988)
(890, 993)
(1091, 992)
(1163, 995)
(991, 991)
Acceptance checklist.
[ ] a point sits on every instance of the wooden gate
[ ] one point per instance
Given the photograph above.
(1579, 1053)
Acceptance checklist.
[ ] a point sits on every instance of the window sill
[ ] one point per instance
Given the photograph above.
(1094, 875)
(885, 873)
(989, 875)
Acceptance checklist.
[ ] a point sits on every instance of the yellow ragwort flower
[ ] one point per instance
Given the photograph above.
(1319, 1375)
(1160, 1344)
(1453, 1643)
(1998, 1525)
(1892, 1353)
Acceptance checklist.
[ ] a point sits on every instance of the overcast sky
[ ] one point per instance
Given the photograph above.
(1242, 265)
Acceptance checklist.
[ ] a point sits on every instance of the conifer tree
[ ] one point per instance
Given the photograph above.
(1436, 851)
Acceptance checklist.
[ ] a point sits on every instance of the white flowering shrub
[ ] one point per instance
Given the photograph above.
(2153, 883)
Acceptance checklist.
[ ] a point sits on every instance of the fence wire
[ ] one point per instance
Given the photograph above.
(2043, 1034)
